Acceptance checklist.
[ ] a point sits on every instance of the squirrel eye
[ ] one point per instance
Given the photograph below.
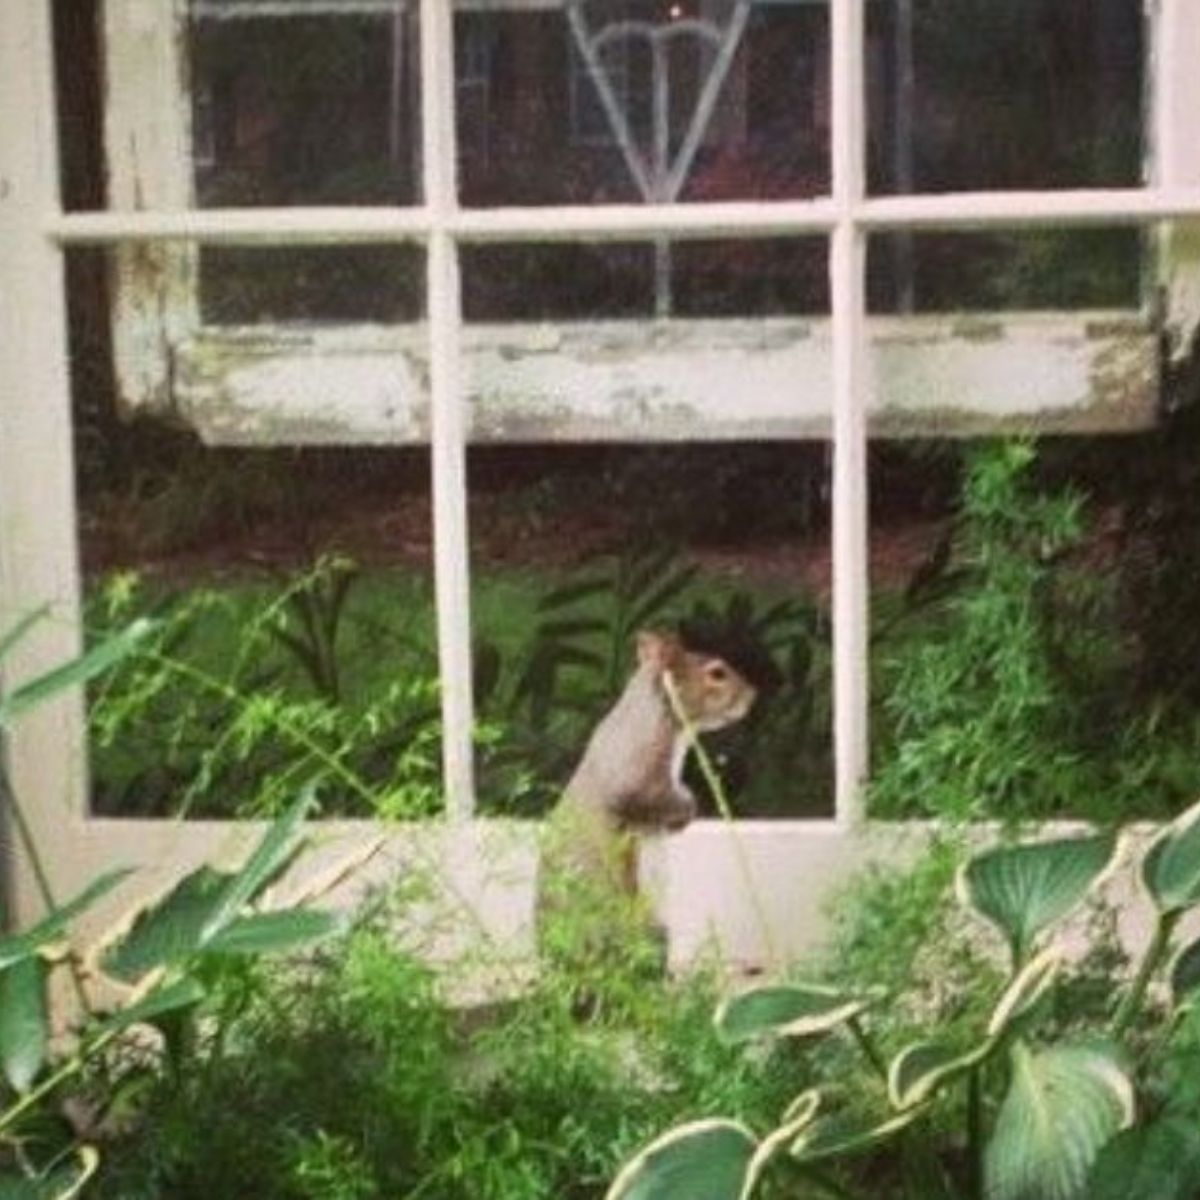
(718, 672)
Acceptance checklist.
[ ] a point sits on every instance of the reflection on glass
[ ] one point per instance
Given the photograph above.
(973, 94)
(304, 102)
(245, 285)
(547, 282)
(1050, 269)
(626, 100)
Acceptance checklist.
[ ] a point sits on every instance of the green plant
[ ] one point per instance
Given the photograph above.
(237, 702)
(1037, 1104)
(310, 625)
(1006, 700)
(369, 1075)
(162, 958)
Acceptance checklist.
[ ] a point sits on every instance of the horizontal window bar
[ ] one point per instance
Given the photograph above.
(953, 210)
(246, 225)
(637, 221)
(368, 224)
(978, 210)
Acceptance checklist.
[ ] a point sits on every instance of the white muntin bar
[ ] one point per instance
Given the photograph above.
(451, 545)
(614, 222)
(847, 264)
(44, 752)
(741, 219)
(262, 226)
(984, 210)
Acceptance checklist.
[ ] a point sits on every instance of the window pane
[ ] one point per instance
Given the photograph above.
(577, 549)
(250, 285)
(1032, 656)
(974, 272)
(293, 590)
(303, 102)
(626, 100)
(553, 281)
(974, 94)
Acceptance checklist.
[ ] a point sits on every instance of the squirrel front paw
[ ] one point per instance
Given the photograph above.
(670, 812)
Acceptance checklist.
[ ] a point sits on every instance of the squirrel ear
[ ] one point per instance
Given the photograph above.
(659, 650)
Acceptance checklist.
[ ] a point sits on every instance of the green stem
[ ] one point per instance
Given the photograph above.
(867, 1045)
(713, 782)
(1156, 951)
(8, 798)
(351, 781)
(25, 833)
(974, 1134)
(34, 1096)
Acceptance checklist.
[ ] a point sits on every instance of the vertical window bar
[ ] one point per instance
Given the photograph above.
(447, 417)
(847, 261)
(1174, 162)
(44, 754)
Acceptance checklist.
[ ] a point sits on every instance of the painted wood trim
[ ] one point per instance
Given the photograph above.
(1175, 164)
(687, 381)
(447, 403)
(44, 753)
(147, 137)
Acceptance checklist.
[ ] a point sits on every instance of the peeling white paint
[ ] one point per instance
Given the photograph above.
(147, 137)
(1175, 162)
(685, 380)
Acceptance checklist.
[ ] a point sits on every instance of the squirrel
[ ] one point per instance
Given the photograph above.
(629, 782)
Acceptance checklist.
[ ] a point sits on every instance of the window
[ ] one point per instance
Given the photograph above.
(801, 379)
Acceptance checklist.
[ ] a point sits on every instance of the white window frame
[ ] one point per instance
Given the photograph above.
(38, 561)
(1076, 371)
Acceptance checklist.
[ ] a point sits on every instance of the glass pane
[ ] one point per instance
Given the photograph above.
(576, 550)
(626, 100)
(293, 587)
(246, 285)
(552, 281)
(304, 102)
(1032, 656)
(975, 94)
(1044, 269)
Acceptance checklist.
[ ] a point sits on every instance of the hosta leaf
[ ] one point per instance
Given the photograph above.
(1064, 1103)
(1029, 985)
(919, 1070)
(1185, 974)
(274, 932)
(1024, 889)
(169, 931)
(1160, 1160)
(705, 1160)
(62, 1183)
(52, 926)
(843, 1135)
(1171, 867)
(800, 1114)
(266, 860)
(794, 1010)
(23, 1022)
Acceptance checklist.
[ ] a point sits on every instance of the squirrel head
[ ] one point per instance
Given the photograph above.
(712, 694)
